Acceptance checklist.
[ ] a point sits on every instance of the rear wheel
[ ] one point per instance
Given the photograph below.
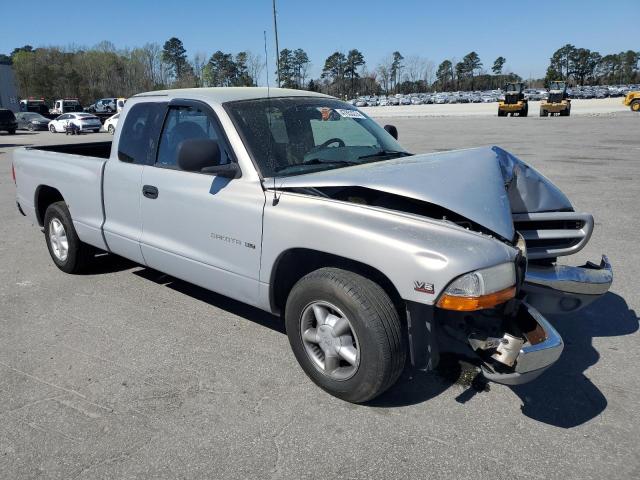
(525, 111)
(52, 129)
(67, 251)
(111, 129)
(635, 106)
(12, 131)
(346, 334)
(543, 112)
(30, 127)
(501, 113)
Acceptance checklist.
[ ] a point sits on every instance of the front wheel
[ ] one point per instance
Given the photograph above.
(67, 251)
(52, 129)
(635, 106)
(111, 129)
(346, 334)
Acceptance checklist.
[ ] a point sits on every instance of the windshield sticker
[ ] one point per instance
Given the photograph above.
(343, 112)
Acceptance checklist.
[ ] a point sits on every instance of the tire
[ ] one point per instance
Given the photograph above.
(78, 254)
(12, 131)
(111, 130)
(30, 127)
(374, 342)
(52, 129)
(543, 112)
(525, 111)
(501, 113)
(635, 105)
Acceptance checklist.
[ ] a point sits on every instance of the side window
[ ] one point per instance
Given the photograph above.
(185, 123)
(139, 133)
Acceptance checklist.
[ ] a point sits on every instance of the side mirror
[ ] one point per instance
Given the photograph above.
(194, 154)
(393, 131)
(203, 155)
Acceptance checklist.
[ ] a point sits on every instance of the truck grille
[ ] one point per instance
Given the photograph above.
(553, 234)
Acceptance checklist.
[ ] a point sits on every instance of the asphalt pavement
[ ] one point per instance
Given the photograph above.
(128, 373)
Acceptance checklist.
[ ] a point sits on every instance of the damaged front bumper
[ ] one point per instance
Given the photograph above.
(523, 354)
(557, 289)
(515, 343)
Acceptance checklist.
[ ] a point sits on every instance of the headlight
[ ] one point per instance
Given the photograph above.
(480, 289)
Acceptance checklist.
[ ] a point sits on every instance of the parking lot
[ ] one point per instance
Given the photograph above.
(128, 373)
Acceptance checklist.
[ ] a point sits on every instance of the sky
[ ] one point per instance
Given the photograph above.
(525, 32)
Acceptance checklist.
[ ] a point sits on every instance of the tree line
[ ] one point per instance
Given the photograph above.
(582, 66)
(104, 71)
(101, 71)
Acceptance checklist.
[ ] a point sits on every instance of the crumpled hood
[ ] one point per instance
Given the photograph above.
(485, 185)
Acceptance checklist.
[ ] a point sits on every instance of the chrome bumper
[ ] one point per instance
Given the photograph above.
(542, 348)
(563, 289)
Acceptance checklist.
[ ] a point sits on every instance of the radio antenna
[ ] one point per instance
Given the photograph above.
(270, 143)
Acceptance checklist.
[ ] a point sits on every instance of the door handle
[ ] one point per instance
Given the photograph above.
(150, 191)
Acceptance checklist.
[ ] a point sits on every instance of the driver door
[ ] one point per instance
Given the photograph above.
(195, 226)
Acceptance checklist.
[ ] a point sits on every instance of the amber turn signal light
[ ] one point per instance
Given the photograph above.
(469, 304)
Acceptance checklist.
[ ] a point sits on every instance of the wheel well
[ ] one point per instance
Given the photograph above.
(294, 264)
(45, 196)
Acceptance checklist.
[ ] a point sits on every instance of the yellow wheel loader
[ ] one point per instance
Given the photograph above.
(632, 100)
(514, 102)
(558, 102)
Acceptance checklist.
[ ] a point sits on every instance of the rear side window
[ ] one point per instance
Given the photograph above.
(139, 134)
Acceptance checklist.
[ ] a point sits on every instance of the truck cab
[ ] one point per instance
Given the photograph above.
(66, 105)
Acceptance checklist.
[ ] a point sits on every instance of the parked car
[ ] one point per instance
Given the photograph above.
(8, 121)
(371, 255)
(84, 122)
(111, 123)
(31, 121)
(104, 105)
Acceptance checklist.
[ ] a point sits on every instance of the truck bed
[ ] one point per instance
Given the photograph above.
(74, 171)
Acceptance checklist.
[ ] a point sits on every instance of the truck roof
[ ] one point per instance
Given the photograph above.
(230, 94)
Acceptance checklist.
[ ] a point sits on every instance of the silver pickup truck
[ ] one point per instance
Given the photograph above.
(301, 205)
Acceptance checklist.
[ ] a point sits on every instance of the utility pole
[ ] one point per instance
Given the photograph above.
(275, 28)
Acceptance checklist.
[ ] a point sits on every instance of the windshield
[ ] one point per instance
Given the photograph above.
(293, 136)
